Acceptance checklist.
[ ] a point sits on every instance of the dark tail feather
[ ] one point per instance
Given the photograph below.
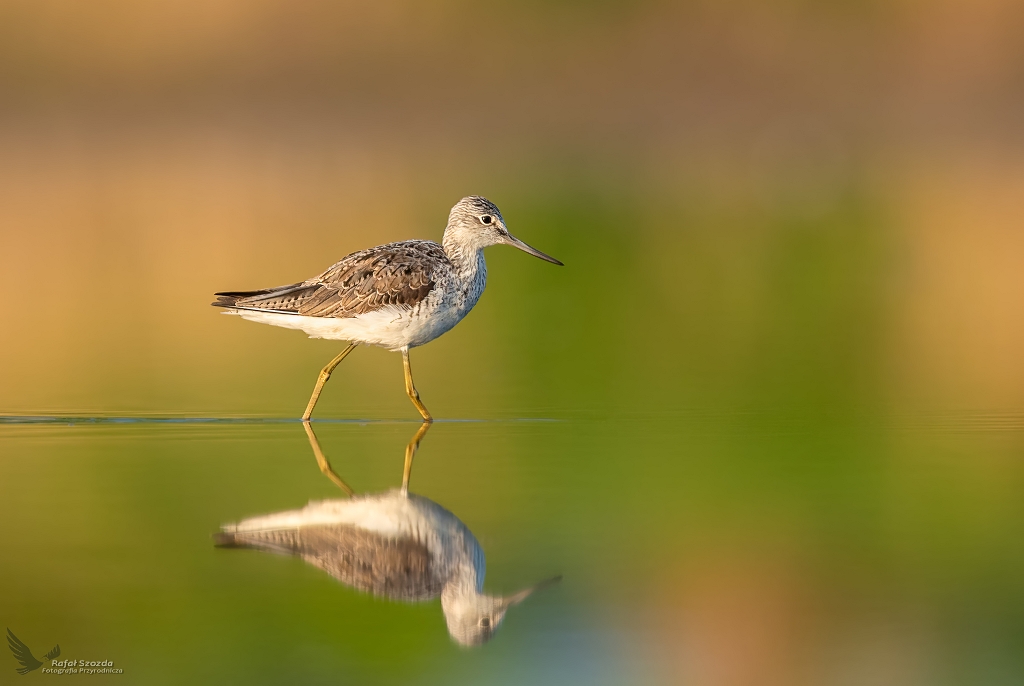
(279, 542)
(283, 298)
(230, 539)
(229, 298)
(226, 299)
(226, 539)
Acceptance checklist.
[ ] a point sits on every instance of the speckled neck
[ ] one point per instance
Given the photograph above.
(463, 584)
(467, 261)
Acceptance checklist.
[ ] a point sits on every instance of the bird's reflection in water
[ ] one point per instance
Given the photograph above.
(394, 544)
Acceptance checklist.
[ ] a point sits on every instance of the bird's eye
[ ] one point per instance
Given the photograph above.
(485, 622)
(487, 219)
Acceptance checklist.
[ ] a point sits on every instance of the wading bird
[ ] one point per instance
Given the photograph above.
(395, 296)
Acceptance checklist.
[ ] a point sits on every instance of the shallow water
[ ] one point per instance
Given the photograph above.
(694, 548)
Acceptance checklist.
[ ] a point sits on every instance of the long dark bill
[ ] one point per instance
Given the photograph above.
(527, 592)
(512, 240)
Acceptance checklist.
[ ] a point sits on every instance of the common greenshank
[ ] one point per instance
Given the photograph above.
(395, 296)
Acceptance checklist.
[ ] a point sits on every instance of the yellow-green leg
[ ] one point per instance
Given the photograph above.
(325, 374)
(321, 460)
(410, 452)
(410, 388)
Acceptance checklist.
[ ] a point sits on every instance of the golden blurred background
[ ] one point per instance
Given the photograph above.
(153, 152)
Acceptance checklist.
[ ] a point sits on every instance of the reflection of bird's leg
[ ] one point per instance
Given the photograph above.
(410, 388)
(325, 374)
(321, 460)
(410, 452)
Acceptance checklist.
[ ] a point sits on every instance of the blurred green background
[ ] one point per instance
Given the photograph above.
(782, 363)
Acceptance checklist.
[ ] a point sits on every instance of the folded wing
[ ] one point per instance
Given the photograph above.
(397, 568)
(397, 274)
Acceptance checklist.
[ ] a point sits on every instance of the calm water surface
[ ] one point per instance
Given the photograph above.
(695, 548)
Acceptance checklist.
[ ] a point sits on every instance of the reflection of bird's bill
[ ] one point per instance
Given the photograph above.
(530, 250)
(522, 595)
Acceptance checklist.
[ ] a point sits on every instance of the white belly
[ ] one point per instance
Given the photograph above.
(390, 327)
(392, 515)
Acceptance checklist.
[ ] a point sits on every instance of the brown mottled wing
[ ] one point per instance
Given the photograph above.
(394, 274)
(401, 274)
(395, 568)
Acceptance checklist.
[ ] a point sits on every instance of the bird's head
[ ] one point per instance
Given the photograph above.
(476, 223)
(473, 617)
